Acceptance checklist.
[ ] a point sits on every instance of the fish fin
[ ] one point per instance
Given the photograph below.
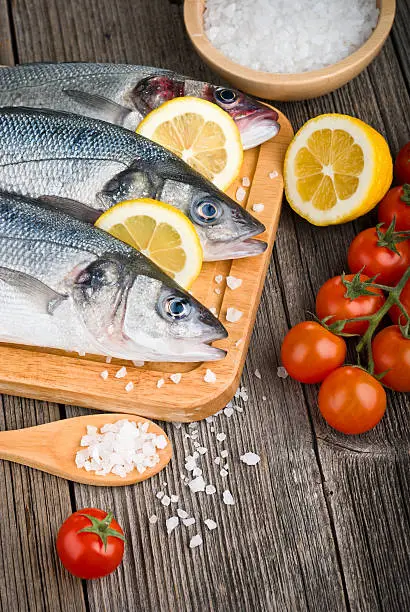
(31, 287)
(102, 107)
(73, 208)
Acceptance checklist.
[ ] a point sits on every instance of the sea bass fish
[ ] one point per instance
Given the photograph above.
(68, 285)
(123, 94)
(77, 159)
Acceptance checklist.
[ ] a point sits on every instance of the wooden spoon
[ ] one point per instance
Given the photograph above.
(52, 448)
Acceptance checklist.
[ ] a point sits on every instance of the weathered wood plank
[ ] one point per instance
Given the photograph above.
(6, 46)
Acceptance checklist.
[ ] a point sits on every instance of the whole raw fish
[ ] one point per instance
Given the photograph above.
(124, 94)
(65, 284)
(77, 159)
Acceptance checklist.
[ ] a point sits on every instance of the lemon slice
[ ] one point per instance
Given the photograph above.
(337, 168)
(199, 132)
(159, 231)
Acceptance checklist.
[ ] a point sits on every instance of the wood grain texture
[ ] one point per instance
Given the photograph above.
(322, 523)
(67, 378)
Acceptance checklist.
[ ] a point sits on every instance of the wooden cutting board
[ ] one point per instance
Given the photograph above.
(69, 379)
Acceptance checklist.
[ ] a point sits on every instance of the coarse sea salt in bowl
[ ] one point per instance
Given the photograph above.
(284, 85)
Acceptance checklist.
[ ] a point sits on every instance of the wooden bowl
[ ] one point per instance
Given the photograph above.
(300, 86)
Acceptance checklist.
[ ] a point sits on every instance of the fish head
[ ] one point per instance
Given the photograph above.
(256, 122)
(127, 303)
(225, 229)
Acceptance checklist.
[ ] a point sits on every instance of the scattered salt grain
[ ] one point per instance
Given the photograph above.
(258, 374)
(197, 484)
(176, 378)
(282, 372)
(122, 372)
(197, 472)
(240, 194)
(273, 174)
(210, 377)
(219, 278)
(188, 521)
(217, 460)
(223, 473)
(258, 207)
(182, 514)
(119, 448)
(217, 291)
(160, 383)
(166, 500)
(195, 541)
(250, 458)
(227, 498)
(129, 386)
(213, 310)
(138, 364)
(171, 523)
(228, 411)
(104, 374)
(210, 489)
(108, 359)
(160, 494)
(239, 342)
(153, 519)
(221, 437)
(246, 181)
(233, 315)
(289, 36)
(224, 454)
(174, 499)
(233, 282)
(264, 398)
(210, 524)
(202, 450)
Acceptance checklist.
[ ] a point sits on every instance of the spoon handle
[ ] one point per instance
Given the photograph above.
(22, 447)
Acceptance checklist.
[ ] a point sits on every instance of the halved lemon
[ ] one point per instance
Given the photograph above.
(199, 132)
(159, 231)
(337, 168)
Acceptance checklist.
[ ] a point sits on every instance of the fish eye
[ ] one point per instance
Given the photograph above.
(206, 212)
(177, 308)
(225, 96)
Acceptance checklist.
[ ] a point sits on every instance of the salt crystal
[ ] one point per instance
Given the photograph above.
(160, 383)
(258, 374)
(240, 194)
(188, 521)
(108, 359)
(209, 377)
(210, 524)
(258, 207)
(182, 514)
(213, 310)
(224, 453)
(228, 412)
(166, 500)
(138, 364)
(219, 278)
(129, 386)
(221, 437)
(233, 282)
(196, 472)
(282, 372)
(239, 342)
(273, 174)
(217, 460)
(197, 484)
(104, 374)
(223, 473)
(246, 181)
(217, 291)
(227, 498)
(250, 458)
(202, 450)
(160, 494)
(171, 523)
(233, 315)
(264, 398)
(196, 540)
(174, 499)
(153, 519)
(176, 378)
(210, 489)
(122, 372)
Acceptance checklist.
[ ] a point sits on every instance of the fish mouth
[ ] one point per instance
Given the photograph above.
(238, 249)
(258, 128)
(188, 351)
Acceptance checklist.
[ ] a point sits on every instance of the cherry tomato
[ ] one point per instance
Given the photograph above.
(331, 300)
(90, 543)
(396, 203)
(395, 313)
(364, 254)
(391, 351)
(351, 400)
(310, 352)
(402, 165)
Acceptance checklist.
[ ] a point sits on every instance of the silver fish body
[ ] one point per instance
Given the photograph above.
(123, 94)
(65, 284)
(76, 159)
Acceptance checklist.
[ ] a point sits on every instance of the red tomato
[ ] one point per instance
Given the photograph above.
(351, 400)
(331, 300)
(364, 254)
(90, 543)
(395, 313)
(391, 351)
(396, 203)
(310, 352)
(402, 165)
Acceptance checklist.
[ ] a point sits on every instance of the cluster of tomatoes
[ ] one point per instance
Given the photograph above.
(352, 398)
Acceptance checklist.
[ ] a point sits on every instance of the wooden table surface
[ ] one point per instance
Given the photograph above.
(322, 523)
